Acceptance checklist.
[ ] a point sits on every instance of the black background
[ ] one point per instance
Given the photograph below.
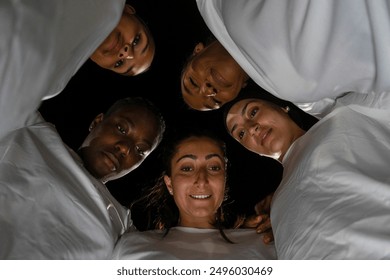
(176, 26)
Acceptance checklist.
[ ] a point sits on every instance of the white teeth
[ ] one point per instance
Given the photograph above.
(200, 196)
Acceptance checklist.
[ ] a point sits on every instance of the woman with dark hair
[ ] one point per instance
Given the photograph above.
(188, 202)
(332, 202)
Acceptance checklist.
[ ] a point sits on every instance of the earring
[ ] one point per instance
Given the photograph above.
(170, 192)
(287, 109)
(90, 127)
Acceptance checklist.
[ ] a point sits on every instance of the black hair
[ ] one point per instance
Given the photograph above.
(162, 212)
(138, 101)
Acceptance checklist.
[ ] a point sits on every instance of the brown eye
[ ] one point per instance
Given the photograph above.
(119, 63)
(193, 82)
(253, 113)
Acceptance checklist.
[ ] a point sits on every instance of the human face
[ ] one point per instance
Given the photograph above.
(211, 78)
(197, 181)
(120, 142)
(262, 127)
(129, 49)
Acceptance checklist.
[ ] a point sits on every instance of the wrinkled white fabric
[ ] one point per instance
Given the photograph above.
(306, 51)
(50, 206)
(186, 243)
(334, 199)
(42, 45)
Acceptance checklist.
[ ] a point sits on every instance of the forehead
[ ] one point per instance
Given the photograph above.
(136, 114)
(236, 113)
(198, 146)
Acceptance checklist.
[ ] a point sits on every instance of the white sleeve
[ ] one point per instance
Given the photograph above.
(42, 44)
(305, 51)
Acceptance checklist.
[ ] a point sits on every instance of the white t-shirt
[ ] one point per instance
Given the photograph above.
(193, 243)
(306, 51)
(42, 44)
(50, 206)
(334, 199)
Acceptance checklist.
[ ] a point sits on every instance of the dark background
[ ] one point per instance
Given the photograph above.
(176, 26)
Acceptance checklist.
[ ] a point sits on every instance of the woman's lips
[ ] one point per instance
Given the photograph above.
(264, 135)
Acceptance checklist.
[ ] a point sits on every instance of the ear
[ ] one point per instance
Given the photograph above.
(98, 119)
(168, 183)
(198, 48)
(129, 9)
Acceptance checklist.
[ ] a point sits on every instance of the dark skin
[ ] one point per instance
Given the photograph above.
(129, 49)
(120, 142)
(212, 78)
(262, 221)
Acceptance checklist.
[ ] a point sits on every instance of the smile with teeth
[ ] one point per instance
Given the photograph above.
(200, 196)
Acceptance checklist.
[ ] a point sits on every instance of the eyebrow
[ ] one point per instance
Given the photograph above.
(242, 114)
(187, 156)
(191, 156)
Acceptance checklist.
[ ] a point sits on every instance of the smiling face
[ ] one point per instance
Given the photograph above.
(197, 181)
(211, 78)
(129, 49)
(120, 142)
(262, 127)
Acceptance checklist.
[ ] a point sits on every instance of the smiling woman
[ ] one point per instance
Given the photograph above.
(189, 202)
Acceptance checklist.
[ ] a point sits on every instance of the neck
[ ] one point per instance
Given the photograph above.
(201, 222)
(298, 133)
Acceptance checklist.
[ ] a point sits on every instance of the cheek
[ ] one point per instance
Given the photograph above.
(131, 162)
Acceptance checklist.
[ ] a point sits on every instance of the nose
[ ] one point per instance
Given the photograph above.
(208, 90)
(202, 178)
(126, 52)
(122, 149)
(254, 129)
